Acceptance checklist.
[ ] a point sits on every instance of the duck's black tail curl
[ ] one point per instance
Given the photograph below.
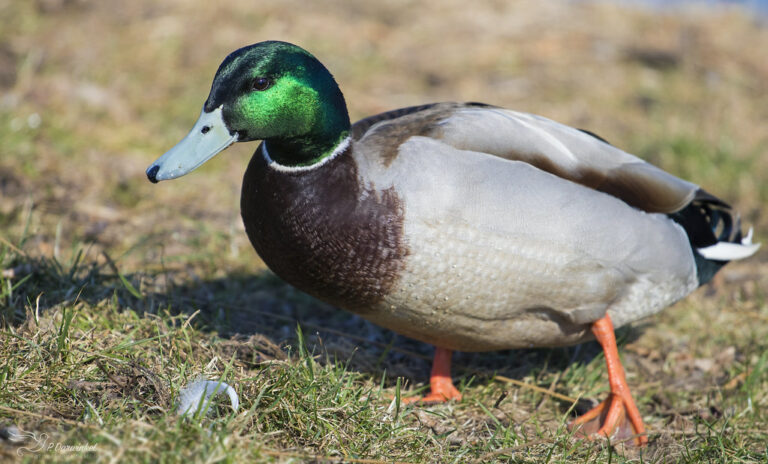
(714, 232)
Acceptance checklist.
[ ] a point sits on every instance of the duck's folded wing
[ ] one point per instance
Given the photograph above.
(566, 152)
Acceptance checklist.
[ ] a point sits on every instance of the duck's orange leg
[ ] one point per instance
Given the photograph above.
(610, 415)
(439, 381)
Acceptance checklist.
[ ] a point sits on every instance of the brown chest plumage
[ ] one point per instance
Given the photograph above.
(322, 232)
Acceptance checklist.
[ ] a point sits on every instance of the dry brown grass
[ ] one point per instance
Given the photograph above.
(92, 92)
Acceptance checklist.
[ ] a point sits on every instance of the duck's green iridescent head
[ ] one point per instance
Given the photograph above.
(271, 91)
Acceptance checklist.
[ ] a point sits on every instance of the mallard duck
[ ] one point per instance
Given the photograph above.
(464, 225)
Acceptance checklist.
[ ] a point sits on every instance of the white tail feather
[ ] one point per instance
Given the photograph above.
(726, 251)
(748, 239)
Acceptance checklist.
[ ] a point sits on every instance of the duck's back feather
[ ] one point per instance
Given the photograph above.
(576, 155)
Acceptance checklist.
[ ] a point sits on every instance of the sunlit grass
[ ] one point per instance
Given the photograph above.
(116, 293)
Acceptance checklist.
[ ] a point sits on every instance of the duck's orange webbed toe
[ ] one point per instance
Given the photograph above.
(613, 417)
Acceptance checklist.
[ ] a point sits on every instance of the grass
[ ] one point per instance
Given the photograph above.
(107, 364)
(115, 293)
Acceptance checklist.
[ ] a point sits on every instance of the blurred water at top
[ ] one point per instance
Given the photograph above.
(757, 7)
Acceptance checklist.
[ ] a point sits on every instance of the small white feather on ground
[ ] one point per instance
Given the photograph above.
(197, 396)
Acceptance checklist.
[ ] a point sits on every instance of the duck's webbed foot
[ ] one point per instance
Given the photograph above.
(617, 417)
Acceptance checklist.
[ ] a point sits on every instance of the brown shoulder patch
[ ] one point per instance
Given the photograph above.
(399, 125)
(361, 127)
(320, 231)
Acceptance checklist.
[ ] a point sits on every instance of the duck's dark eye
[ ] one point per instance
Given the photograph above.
(261, 83)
